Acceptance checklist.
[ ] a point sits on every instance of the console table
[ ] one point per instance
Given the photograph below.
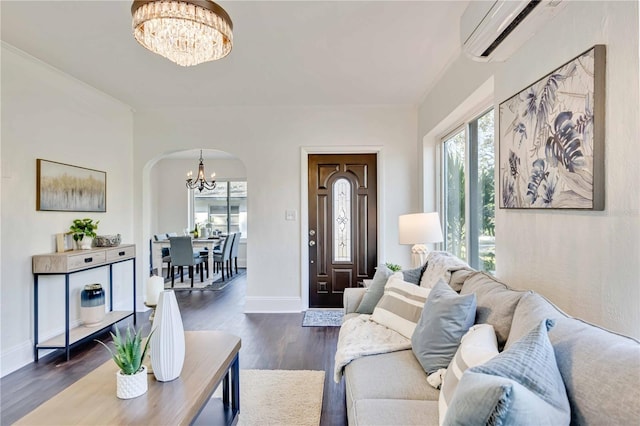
(211, 359)
(68, 263)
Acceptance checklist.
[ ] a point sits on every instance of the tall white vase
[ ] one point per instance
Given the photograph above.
(167, 341)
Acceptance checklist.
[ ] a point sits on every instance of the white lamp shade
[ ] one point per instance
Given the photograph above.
(419, 228)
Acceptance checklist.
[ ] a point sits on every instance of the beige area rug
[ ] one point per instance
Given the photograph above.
(280, 397)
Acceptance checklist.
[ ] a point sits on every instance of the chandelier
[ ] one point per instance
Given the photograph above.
(200, 182)
(187, 32)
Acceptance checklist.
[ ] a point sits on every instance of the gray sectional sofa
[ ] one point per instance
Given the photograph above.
(600, 369)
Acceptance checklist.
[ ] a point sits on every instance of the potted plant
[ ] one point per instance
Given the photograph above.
(84, 231)
(131, 379)
(393, 267)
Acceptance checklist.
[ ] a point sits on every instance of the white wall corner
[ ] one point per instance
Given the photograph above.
(271, 305)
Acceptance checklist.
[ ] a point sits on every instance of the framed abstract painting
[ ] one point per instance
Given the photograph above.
(551, 149)
(63, 187)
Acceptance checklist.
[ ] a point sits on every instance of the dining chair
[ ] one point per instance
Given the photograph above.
(223, 257)
(234, 250)
(182, 255)
(166, 257)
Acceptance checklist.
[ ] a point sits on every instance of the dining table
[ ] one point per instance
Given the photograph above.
(198, 243)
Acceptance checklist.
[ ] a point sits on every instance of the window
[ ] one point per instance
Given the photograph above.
(468, 192)
(222, 209)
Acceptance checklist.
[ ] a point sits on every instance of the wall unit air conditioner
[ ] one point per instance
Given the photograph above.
(493, 30)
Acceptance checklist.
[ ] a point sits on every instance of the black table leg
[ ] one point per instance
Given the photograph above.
(235, 386)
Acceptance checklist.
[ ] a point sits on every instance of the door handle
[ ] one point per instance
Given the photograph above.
(312, 243)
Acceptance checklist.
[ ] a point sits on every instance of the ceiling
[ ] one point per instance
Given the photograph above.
(287, 53)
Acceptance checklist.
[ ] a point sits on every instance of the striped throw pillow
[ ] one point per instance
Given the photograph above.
(401, 305)
(478, 346)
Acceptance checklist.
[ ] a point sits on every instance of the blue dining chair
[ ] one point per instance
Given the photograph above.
(182, 255)
(223, 257)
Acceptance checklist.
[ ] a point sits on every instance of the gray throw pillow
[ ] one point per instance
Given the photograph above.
(521, 385)
(375, 290)
(414, 275)
(446, 317)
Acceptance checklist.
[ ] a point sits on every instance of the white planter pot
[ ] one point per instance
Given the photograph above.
(167, 341)
(85, 243)
(131, 386)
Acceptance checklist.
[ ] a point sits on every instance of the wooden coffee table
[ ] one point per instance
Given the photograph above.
(211, 358)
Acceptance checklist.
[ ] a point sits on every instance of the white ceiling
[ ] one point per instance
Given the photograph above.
(285, 53)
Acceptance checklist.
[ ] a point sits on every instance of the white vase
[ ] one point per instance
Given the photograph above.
(85, 243)
(133, 385)
(167, 341)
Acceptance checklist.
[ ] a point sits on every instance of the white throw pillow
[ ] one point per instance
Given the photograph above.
(401, 305)
(478, 346)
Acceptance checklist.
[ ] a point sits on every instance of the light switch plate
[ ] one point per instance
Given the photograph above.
(290, 215)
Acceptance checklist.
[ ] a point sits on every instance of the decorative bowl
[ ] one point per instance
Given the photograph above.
(108, 240)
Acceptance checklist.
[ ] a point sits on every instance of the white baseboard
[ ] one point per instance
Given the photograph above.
(255, 305)
(22, 354)
(16, 358)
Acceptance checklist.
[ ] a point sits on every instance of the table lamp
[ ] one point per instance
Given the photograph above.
(419, 229)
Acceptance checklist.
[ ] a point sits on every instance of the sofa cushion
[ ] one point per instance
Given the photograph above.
(496, 303)
(351, 299)
(521, 385)
(440, 265)
(414, 275)
(374, 291)
(394, 375)
(600, 369)
(400, 306)
(389, 412)
(459, 277)
(446, 317)
(478, 346)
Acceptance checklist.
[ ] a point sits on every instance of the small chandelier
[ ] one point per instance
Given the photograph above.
(200, 182)
(187, 32)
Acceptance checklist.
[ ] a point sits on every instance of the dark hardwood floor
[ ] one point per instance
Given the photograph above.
(269, 341)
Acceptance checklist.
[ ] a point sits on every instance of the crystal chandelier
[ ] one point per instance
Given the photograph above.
(200, 182)
(187, 32)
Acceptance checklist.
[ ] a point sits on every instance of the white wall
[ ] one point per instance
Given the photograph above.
(49, 115)
(588, 263)
(268, 141)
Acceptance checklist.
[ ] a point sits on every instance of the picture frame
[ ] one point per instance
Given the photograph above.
(64, 187)
(64, 242)
(551, 139)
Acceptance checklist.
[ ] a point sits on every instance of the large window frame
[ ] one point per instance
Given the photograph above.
(474, 206)
(242, 223)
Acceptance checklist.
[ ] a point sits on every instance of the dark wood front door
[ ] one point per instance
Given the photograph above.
(342, 225)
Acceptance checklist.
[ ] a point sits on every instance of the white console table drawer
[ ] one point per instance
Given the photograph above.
(81, 261)
(121, 253)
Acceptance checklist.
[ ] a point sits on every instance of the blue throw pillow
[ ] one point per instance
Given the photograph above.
(522, 386)
(446, 317)
(414, 275)
(375, 291)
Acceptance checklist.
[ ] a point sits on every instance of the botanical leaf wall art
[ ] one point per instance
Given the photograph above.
(552, 139)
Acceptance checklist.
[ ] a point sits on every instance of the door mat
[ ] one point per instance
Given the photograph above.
(323, 318)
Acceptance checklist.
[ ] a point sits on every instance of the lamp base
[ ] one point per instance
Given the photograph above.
(418, 255)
